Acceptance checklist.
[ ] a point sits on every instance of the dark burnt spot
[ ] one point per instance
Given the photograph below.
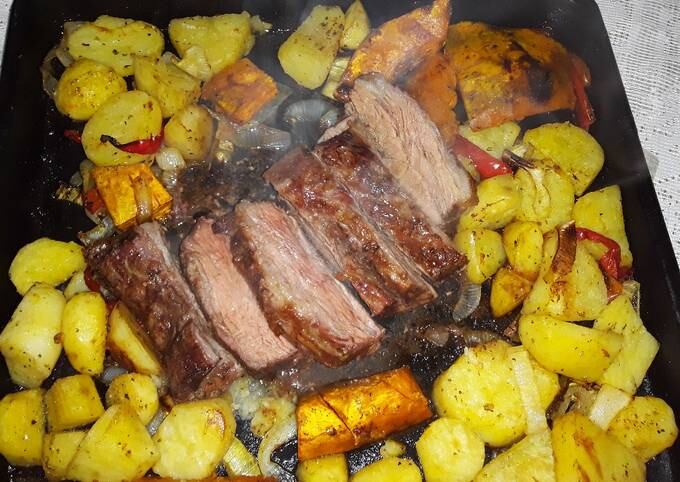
(539, 81)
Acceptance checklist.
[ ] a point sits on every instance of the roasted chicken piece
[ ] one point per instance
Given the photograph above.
(399, 45)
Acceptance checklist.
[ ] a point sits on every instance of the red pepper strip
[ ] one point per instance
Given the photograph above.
(142, 146)
(580, 78)
(610, 262)
(91, 283)
(487, 165)
(73, 135)
(93, 202)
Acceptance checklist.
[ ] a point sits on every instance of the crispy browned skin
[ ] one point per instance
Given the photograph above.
(433, 85)
(348, 416)
(508, 74)
(398, 45)
(240, 91)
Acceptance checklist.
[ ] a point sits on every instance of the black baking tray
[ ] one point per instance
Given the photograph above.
(34, 156)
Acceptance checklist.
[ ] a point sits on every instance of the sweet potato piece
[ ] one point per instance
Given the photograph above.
(240, 90)
(320, 430)
(509, 74)
(399, 45)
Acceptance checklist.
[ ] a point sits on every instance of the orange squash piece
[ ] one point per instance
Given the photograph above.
(320, 429)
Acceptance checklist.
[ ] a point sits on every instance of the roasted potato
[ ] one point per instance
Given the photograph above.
(191, 131)
(497, 205)
(583, 451)
(45, 261)
(307, 55)
(84, 332)
(357, 26)
(224, 38)
(114, 41)
(270, 411)
(608, 402)
(530, 459)
(602, 211)
(576, 351)
(30, 340)
(449, 451)
(546, 197)
(22, 418)
(238, 461)
(389, 470)
(484, 251)
(392, 448)
(571, 148)
(523, 243)
(72, 402)
(117, 447)
(127, 117)
(480, 390)
(84, 87)
(493, 140)
(508, 290)
(137, 390)
(76, 285)
(171, 86)
(199, 431)
(330, 468)
(59, 448)
(646, 426)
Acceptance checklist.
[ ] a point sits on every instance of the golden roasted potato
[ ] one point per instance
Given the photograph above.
(602, 211)
(223, 38)
(137, 390)
(30, 340)
(571, 148)
(357, 26)
(45, 261)
(484, 251)
(508, 290)
(392, 448)
(530, 459)
(239, 462)
(76, 285)
(191, 131)
(389, 470)
(114, 41)
(171, 86)
(270, 411)
(523, 243)
(127, 117)
(608, 402)
(583, 451)
(576, 351)
(59, 448)
(493, 140)
(22, 418)
(480, 390)
(84, 87)
(646, 426)
(329, 468)
(84, 332)
(199, 431)
(307, 55)
(546, 197)
(449, 451)
(116, 448)
(498, 202)
(72, 402)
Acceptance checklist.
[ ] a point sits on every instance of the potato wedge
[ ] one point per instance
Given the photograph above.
(172, 87)
(497, 205)
(72, 402)
(493, 140)
(114, 41)
(583, 451)
(22, 418)
(330, 468)
(199, 431)
(45, 261)
(646, 426)
(508, 290)
(547, 197)
(389, 470)
(127, 117)
(76, 285)
(523, 243)
(307, 55)
(484, 251)
(530, 459)
(84, 332)
(223, 38)
(138, 391)
(84, 87)
(357, 26)
(576, 351)
(58, 450)
(30, 340)
(449, 451)
(117, 447)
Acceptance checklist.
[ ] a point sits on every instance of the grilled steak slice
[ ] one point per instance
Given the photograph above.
(382, 200)
(297, 291)
(385, 279)
(410, 146)
(139, 270)
(228, 301)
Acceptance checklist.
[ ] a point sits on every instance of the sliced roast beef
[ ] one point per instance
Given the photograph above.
(385, 279)
(381, 198)
(410, 147)
(228, 301)
(297, 291)
(139, 270)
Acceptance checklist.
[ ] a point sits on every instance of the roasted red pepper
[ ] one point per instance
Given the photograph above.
(580, 78)
(142, 146)
(610, 262)
(73, 135)
(93, 202)
(91, 283)
(487, 165)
